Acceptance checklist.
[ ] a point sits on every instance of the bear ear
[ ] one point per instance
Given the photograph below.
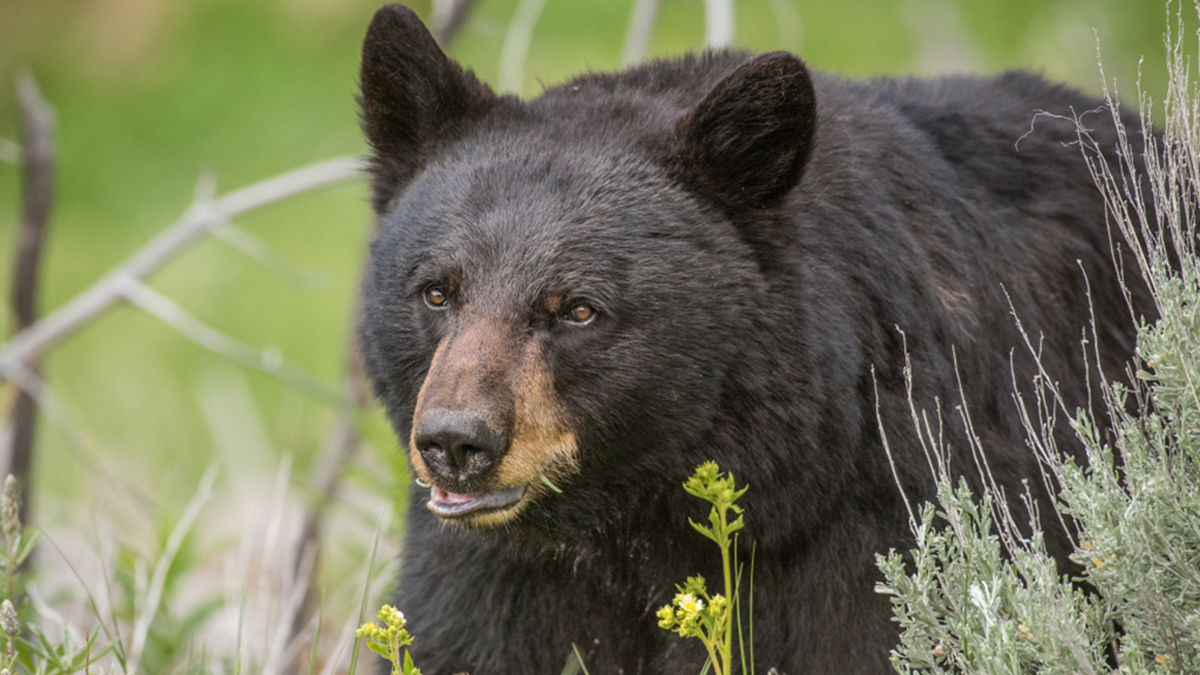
(747, 142)
(413, 97)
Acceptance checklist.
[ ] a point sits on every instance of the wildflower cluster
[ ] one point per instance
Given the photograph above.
(388, 639)
(709, 484)
(693, 612)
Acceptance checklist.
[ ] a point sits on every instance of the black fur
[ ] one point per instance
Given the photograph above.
(759, 245)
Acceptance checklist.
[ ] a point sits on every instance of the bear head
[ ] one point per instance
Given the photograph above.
(560, 288)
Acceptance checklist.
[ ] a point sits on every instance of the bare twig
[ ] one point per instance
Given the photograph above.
(791, 33)
(328, 470)
(259, 251)
(38, 160)
(516, 44)
(170, 313)
(10, 152)
(37, 121)
(202, 217)
(718, 23)
(448, 18)
(641, 29)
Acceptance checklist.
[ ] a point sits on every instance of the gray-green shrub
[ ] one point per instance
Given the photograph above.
(977, 595)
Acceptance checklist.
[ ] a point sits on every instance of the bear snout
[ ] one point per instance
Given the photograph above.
(459, 448)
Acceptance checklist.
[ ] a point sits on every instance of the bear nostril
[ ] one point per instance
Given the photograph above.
(458, 444)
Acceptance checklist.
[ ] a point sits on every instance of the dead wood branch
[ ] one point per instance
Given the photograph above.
(640, 32)
(203, 216)
(516, 44)
(170, 313)
(326, 475)
(38, 163)
(448, 18)
(718, 24)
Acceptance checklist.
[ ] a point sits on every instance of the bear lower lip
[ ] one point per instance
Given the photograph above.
(453, 505)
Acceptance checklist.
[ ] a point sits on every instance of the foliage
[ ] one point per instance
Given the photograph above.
(41, 655)
(17, 543)
(388, 639)
(694, 612)
(977, 596)
(45, 656)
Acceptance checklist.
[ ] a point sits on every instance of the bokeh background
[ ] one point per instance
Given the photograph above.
(152, 94)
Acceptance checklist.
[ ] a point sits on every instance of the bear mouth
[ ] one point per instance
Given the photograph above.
(446, 504)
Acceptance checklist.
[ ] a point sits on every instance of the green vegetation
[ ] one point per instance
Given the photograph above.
(40, 655)
(695, 613)
(387, 640)
(981, 597)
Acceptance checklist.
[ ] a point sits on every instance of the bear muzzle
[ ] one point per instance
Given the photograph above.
(461, 452)
(459, 448)
(489, 434)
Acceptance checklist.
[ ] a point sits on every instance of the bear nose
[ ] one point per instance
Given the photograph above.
(458, 445)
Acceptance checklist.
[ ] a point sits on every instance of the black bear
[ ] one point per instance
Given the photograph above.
(718, 257)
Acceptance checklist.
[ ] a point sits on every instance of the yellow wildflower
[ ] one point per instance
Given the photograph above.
(666, 617)
(688, 603)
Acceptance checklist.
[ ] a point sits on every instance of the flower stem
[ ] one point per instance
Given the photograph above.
(713, 657)
(727, 629)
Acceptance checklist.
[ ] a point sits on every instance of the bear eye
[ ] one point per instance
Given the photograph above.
(580, 313)
(436, 297)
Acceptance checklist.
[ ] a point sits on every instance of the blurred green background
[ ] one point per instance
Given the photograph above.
(150, 94)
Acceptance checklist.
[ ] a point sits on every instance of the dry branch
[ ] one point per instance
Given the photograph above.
(37, 123)
(516, 44)
(206, 215)
(640, 32)
(203, 216)
(170, 313)
(37, 160)
(448, 18)
(326, 476)
(718, 23)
